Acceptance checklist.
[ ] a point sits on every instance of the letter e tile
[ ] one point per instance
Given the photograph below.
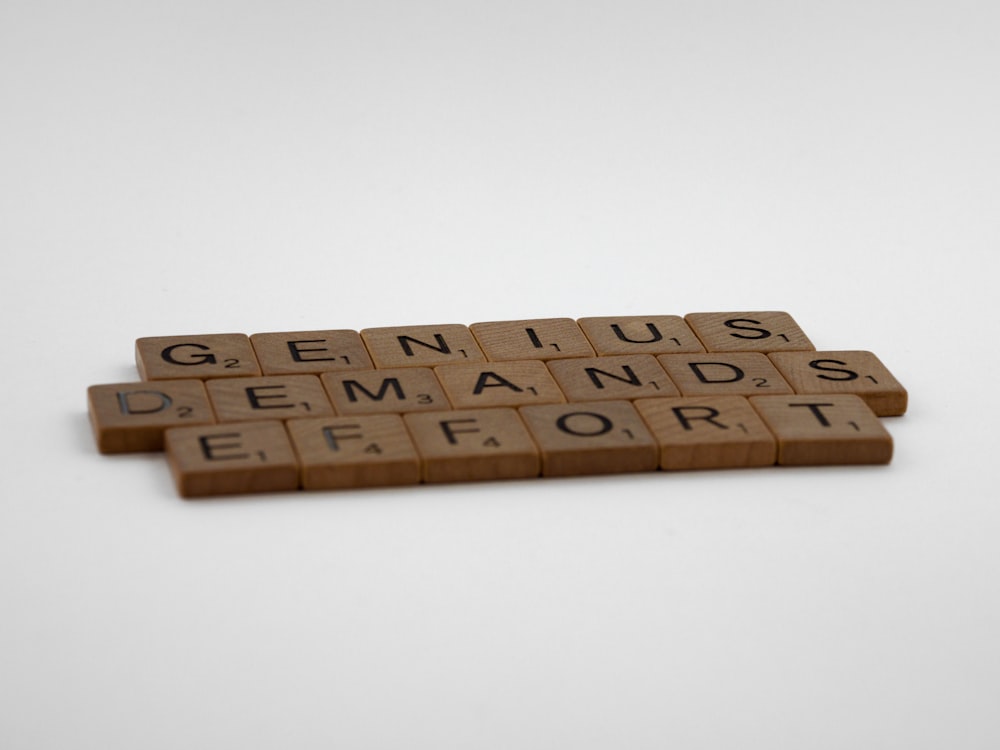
(305, 352)
(273, 397)
(232, 459)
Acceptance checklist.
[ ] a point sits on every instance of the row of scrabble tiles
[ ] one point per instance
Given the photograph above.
(418, 371)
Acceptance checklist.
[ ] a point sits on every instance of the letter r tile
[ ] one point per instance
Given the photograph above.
(708, 432)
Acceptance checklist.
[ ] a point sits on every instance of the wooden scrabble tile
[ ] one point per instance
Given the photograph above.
(268, 397)
(358, 451)
(232, 458)
(857, 372)
(634, 334)
(421, 346)
(473, 444)
(824, 429)
(213, 355)
(606, 437)
(724, 374)
(305, 352)
(708, 432)
(486, 384)
(548, 338)
(748, 331)
(611, 378)
(128, 417)
(393, 391)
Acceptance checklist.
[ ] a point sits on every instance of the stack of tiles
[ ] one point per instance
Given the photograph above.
(512, 399)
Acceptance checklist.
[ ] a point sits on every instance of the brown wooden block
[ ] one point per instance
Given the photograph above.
(708, 432)
(824, 429)
(269, 397)
(232, 459)
(612, 378)
(129, 417)
(547, 338)
(473, 444)
(305, 352)
(421, 346)
(724, 374)
(392, 391)
(358, 451)
(482, 385)
(635, 334)
(748, 331)
(212, 355)
(606, 437)
(857, 372)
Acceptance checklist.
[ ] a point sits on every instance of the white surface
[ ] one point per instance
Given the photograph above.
(190, 167)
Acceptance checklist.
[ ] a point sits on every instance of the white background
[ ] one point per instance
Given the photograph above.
(204, 167)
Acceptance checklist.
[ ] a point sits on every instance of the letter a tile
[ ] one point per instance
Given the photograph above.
(488, 384)
(708, 432)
